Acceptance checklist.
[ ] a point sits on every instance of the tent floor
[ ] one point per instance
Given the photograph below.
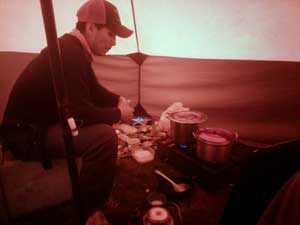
(128, 202)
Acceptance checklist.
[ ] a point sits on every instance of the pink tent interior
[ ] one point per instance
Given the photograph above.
(236, 61)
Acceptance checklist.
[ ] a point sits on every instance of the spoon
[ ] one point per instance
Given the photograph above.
(182, 187)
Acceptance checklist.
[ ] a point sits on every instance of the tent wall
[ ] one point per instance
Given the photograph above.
(258, 99)
(120, 74)
(223, 29)
(11, 64)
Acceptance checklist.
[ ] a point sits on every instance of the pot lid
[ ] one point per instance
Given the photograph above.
(188, 117)
(217, 136)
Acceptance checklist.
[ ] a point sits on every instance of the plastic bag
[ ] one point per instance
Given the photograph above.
(164, 121)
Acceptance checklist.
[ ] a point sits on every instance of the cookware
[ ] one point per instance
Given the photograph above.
(159, 212)
(178, 187)
(183, 124)
(214, 144)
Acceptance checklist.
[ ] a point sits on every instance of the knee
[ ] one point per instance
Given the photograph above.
(102, 141)
(110, 133)
(108, 136)
(111, 138)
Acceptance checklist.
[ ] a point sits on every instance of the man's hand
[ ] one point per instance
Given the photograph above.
(126, 109)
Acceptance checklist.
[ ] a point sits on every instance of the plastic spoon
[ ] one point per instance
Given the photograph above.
(182, 187)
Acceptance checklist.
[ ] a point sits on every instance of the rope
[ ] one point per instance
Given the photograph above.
(135, 29)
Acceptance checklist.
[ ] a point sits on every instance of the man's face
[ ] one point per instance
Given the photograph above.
(101, 40)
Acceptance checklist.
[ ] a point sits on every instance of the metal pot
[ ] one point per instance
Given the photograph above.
(214, 144)
(183, 124)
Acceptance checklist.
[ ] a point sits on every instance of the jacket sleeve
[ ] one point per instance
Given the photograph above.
(102, 97)
(81, 88)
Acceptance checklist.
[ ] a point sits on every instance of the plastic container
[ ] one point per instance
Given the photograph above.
(143, 155)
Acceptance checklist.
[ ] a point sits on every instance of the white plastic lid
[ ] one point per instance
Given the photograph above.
(142, 156)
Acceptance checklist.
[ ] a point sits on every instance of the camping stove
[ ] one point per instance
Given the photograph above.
(211, 176)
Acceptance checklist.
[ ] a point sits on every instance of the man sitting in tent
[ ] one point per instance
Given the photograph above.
(32, 104)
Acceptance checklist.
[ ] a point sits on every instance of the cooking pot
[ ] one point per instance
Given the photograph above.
(214, 144)
(183, 124)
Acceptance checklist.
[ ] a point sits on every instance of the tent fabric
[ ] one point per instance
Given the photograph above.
(11, 65)
(258, 99)
(223, 29)
(119, 74)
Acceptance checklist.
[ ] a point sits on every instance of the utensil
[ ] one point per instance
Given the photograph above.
(214, 144)
(158, 199)
(182, 187)
(157, 216)
(182, 124)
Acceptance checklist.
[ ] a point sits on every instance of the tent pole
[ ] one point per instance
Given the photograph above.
(139, 58)
(135, 29)
(61, 99)
(139, 110)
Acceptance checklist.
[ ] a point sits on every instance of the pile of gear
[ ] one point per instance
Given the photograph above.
(139, 139)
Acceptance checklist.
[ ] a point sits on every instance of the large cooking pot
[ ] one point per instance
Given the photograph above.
(214, 144)
(183, 124)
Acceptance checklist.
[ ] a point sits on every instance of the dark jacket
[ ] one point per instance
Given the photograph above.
(32, 98)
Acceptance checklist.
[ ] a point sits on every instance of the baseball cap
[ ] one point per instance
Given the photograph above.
(103, 12)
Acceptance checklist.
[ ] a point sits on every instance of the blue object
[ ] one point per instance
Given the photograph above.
(138, 119)
(182, 146)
